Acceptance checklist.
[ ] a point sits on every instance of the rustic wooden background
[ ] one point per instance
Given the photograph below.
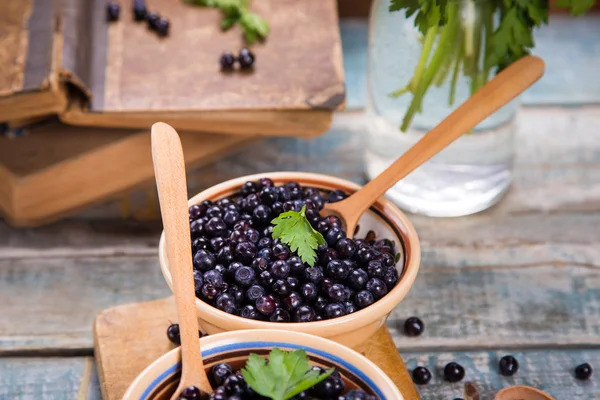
(521, 278)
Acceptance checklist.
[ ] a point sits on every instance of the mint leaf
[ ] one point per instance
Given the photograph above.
(284, 376)
(293, 229)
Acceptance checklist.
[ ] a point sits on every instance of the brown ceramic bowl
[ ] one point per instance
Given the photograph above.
(384, 218)
(159, 379)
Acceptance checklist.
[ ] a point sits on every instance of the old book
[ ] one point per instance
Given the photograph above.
(121, 74)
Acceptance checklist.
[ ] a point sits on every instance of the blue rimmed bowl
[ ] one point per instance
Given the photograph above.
(159, 379)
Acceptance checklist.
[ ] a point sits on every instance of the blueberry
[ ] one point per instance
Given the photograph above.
(231, 217)
(304, 314)
(337, 270)
(280, 315)
(334, 310)
(220, 268)
(313, 274)
(454, 372)
(281, 287)
(334, 222)
(173, 334)
(323, 227)
(191, 393)
(255, 292)
(277, 208)
(225, 302)
(245, 252)
(281, 251)
(162, 26)
(375, 269)
(215, 227)
(309, 291)
(227, 61)
(377, 287)
(214, 211)
(225, 255)
(197, 228)
(328, 256)
(350, 264)
(249, 312)
(280, 269)
(294, 283)
(508, 365)
(386, 259)
(209, 291)
(284, 194)
(242, 225)
(217, 243)
(244, 276)
(260, 264)
(264, 243)
(266, 279)
(234, 385)
(413, 326)
(337, 293)
(421, 375)
(290, 206)
(350, 307)
(319, 304)
(251, 235)
(313, 217)
(213, 278)
(331, 387)
(292, 301)
(363, 299)
(220, 372)
(252, 201)
(364, 255)
(237, 236)
(318, 200)
(262, 214)
(391, 277)
(112, 11)
(197, 211)
(249, 187)
(269, 195)
(237, 293)
(336, 195)
(334, 235)
(583, 372)
(198, 281)
(346, 247)
(265, 182)
(296, 265)
(265, 253)
(358, 279)
(203, 260)
(266, 305)
(360, 243)
(225, 202)
(326, 283)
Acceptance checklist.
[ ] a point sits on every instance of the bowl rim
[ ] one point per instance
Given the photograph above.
(330, 327)
(338, 353)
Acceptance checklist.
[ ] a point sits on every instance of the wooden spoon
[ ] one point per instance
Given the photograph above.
(490, 98)
(169, 169)
(522, 393)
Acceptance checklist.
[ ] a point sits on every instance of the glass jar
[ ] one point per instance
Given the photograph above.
(475, 171)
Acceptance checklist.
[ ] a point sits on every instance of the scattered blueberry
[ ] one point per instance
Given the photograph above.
(583, 372)
(454, 372)
(191, 393)
(152, 18)
(227, 61)
(421, 376)
(246, 59)
(139, 10)
(113, 10)
(219, 373)
(508, 365)
(413, 326)
(173, 334)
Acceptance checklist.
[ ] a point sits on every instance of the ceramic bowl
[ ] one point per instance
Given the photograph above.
(384, 218)
(159, 379)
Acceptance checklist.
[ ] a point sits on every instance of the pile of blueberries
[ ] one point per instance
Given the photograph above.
(156, 23)
(230, 385)
(241, 269)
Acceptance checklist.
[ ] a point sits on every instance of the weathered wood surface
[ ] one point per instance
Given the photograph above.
(66, 378)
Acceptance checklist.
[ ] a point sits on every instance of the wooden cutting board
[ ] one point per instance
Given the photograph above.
(128, 338)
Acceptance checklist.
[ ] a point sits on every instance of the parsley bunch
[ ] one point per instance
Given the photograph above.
(285, 375)
(253, 25)
(476, 36)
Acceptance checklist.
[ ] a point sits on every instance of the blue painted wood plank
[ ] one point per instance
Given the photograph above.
(570, 46)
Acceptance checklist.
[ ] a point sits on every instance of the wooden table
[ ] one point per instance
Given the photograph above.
(522, 278)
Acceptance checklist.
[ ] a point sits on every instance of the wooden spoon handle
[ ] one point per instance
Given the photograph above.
(507, 85)
(169, 168)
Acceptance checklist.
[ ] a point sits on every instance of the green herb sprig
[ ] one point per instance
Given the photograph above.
(477, 36)
(293, 229)
(285, 374)
(253, 25)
